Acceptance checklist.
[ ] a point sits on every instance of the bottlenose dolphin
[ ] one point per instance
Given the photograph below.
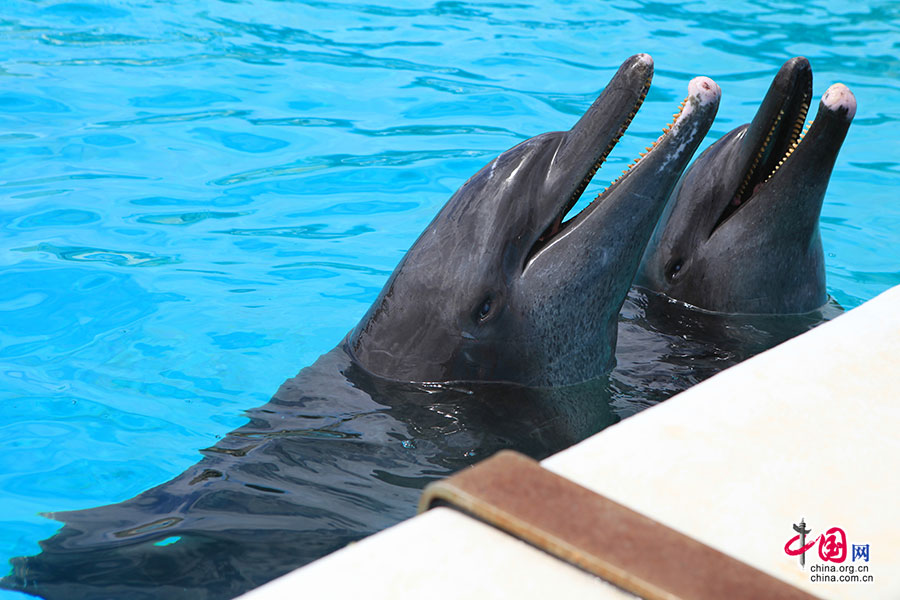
(498, 284)
(498, 303)
(741, 232)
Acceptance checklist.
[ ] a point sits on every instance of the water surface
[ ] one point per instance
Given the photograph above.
(197, 199)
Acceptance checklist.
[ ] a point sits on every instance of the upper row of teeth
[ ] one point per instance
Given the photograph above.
(609, 148)
(649, 148)
(796, 134)
(665, 130)
(758, 157)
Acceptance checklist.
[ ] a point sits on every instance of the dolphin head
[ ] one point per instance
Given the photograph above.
(740, 233)
(499, 287)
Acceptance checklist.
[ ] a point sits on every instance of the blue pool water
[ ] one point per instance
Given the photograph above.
(199, 198)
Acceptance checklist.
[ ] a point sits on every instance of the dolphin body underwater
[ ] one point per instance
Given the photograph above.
(496, 330)
(736, 264)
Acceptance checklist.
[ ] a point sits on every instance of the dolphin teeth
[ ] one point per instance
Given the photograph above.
(648, 149)
(615, 140)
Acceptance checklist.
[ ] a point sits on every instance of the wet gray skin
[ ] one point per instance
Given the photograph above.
(499, 288)
(741, 232)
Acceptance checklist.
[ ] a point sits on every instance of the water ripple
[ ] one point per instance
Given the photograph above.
(311, 232)
(119, 258)
(305, 122)
(282, 34)
(262, 54)
(884, 166)
(72, 177)
(175, 118)
(398, 130)
(182, 98)
(59, 218)
(390, 158)
(79, 12)
(336, 265)
(87, 38)
(571, 103)
(359, 207)
(188, 218)
(242, 142)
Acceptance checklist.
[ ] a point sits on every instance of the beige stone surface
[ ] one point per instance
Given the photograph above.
(808, 429)
(441, 554)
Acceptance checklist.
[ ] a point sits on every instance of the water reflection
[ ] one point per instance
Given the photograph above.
(337, 454)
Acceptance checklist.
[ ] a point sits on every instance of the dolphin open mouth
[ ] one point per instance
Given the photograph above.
(559, 223)
(775, 133)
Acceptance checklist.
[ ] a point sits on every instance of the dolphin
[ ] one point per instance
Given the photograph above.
(741, 231)
(488, 335)
(499, 287)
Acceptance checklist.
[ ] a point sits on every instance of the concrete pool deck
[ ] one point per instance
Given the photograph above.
(805, 430)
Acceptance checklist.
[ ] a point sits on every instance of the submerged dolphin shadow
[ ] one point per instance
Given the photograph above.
(337, 454)
(666, 346)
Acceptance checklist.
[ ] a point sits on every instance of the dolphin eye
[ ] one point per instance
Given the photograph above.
(485, 309)
(674, 268)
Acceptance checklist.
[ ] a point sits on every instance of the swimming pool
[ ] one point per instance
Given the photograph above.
(200, 199)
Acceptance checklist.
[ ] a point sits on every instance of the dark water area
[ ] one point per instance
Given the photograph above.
(338, 454)
(334, 456)
(666, 346)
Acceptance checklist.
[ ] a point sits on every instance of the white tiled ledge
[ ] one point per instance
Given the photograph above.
(808, 429)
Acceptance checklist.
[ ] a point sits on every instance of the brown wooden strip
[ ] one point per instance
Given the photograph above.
(515, 494)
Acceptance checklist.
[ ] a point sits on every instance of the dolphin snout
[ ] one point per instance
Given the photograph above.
(705, 90)
(839, 97)
(646, 59)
